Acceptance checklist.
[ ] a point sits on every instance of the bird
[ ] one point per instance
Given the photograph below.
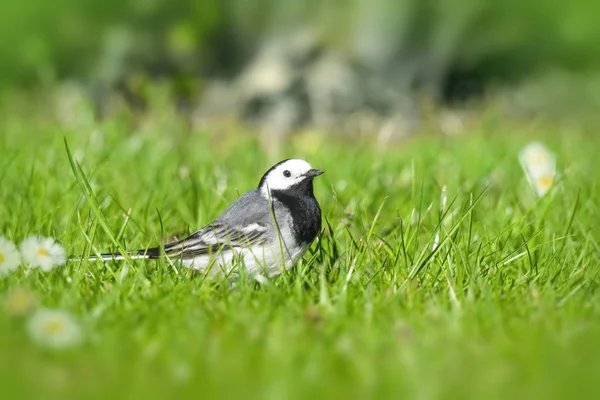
(267, 229)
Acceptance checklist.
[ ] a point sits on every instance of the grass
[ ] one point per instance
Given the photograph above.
(507, 305)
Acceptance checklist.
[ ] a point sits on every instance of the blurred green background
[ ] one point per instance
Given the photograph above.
(545, 52)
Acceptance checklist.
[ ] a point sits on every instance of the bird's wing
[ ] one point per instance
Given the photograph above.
(247, 222)
(217, 237)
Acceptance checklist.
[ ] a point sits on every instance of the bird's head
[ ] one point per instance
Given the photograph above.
(289, 175)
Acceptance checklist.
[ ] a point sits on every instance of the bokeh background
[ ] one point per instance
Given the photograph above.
(386, 68)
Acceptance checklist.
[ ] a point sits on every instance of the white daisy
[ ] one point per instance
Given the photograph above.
(20, 301)
(54, 328)
(539, 165)
(42, 252)
(10, 258)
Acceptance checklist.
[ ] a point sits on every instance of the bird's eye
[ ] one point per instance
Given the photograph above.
(287, 173)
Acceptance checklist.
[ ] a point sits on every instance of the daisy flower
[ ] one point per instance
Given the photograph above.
(20, 302)
(42, 252)
(9, 257)
(54, 329)
(539, 165)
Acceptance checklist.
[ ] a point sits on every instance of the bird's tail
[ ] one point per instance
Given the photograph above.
(146, 254)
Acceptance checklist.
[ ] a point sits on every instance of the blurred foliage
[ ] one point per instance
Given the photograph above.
(48, 40)
(103, 40)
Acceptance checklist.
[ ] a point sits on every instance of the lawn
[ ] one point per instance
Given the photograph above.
(494, 295)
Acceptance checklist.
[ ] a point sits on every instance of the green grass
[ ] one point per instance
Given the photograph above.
(506, 306)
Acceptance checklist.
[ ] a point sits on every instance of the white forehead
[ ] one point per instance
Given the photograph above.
(275, 179)
(294, 166)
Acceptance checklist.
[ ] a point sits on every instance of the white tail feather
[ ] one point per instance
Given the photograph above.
(110, 257)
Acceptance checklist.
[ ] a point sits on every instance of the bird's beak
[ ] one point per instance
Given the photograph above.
(311, 173)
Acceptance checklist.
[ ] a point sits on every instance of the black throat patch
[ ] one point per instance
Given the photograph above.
(304, 208)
